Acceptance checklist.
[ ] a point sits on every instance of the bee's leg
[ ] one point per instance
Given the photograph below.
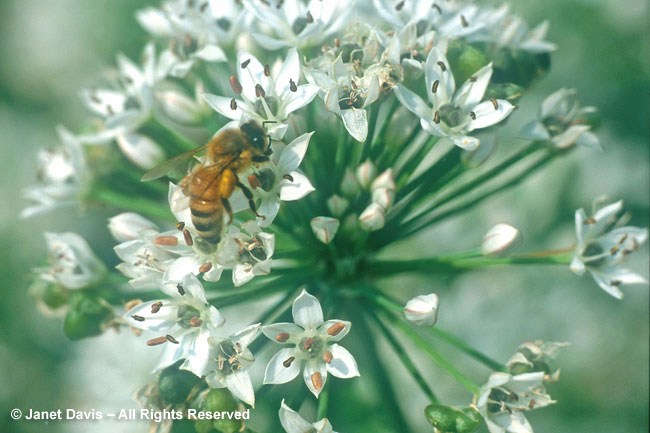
(249, 196)
(228, 208)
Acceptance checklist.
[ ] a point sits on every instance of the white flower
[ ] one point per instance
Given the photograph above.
(62, 175)
(229, 362)
(415, 12)
(504, 399)
(454, 113)
(325, 228)
(314, 347)
(72, 263)
(266, 98)
(279, 180)
(346, 94)
(536, 356)
(562, 123)
(292, 422)
(602, 247)
(422, 310)
(337, 205)
(296, 24)
(184, 323)
(248, 253)
(366, 173)
(501, 240)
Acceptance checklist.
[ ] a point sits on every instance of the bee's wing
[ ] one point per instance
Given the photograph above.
(171, 166)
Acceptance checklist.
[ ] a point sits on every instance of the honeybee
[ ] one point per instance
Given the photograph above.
(210, 185)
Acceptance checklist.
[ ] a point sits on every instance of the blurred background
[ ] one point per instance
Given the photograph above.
(52, 49)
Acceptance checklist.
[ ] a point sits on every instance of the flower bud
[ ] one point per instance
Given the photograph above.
(325, 228)
(451, 420)
(384, 180)
(141, 150)
(180, 108)
(218, 400)
(349, 185)
(175, 384)
(54, 296)
(509, 91)
(126, 226)
(372, 218)
(422, 310)
(337, 205)
(86, 317)
(366, 173)
(501, 240)
(383, 197)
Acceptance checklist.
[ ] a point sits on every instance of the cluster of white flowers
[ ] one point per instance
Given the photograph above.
(368, 66)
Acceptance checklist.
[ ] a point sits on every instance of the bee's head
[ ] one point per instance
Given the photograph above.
(256, 135)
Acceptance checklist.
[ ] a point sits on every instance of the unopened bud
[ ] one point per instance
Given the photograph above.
(337, 205)
(349, 185)
(383, 197)
(180, 108)
(86, 317)
(452, 420)
(366, 173)
(501, 240)
(372, 218)
(174, 384)
(422, 310)
(325, 228)
(126, 226)
(384, 180)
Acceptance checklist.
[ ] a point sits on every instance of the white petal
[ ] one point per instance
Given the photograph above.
(322, 329)
(276, 372)
(269, 209)
(292, 422)
(180, 268)
(211, 53)
(154, 21)
(343, 364)
(241, 274)
(434, 71)
(487, 115)
(300, 187)
(272, 331)
(413, 102)
(307, 311)
(568, 137)
(239, 383)
(290, 71)
(324, 228)
(252, 75)
(356, 122)
(466, 142)
(270, 43)
(160, 322)
(535, 131)
(141, 150)
(194, 288)
(312, 368)
(301, 97)
(471, 93)
(197, 351)
(222, 106)
(294, 152)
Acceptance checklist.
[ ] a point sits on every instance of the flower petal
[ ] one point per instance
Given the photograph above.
(486, 115)
(472, 91)
(311, 371)
(239, 383)
(294, 152)
(296, 189)
(272, 331)
(342, 333)
(301, 97)
(356, 123)
(290, 71)
(307, 311)
(222, 106)
(343, 364)
(276, 372)
(292, 422)
(413, 102)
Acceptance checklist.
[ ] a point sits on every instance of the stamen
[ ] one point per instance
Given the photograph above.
(254, 181)
(203, 7)
(156, 307)
(337, 42)
(309, 18)
(327, 356)
(245, 63)
(196, 322)
(436, 117)
(157, 341)
(180, 226)
(138, 318)
(166, 240)
(531, 404)
(615, 282)
(171, 339)
(614, 250)
(235, 84)
(473, 79)
(267, 70)
(335, 329)
(259, 91)
(590, 221)
(205, 267)
(434, 87)
(288, 177)
(282, 337)
(287, 362)
(463, 21)
(292, 85)
(308, 343)
(442, 65)
(472, 115)
(317, 380)
(436, 7)
(354, 85)
(181, 290)
(623, 238)
(233, 104)
(400, 5)
(188, 238)
(495, 103)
